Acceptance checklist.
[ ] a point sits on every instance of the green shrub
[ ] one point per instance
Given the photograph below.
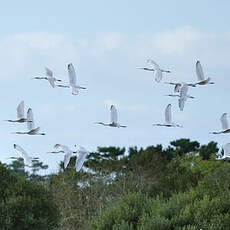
(25, 205)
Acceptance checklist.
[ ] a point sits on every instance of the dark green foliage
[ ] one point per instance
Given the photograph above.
(25, 205)
(184, 146)
(206, 150)
(17, 168)
(180, 187)
(197, 208)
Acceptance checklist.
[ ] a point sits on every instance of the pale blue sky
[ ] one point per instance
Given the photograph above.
(106, 41)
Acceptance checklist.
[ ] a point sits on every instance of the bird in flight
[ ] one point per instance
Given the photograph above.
(72, 81)
(200, 75)
(20, 114)
(30, 125)
(82, 154)
(224, 124)
(27, 159)
(68, 153)
(183, 96)
(113, 119)
(168, 118)
(49, 77)
(226, 155)
(156, 70)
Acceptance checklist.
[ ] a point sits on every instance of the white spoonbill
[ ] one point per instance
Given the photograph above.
(224, 124)
(83, 153)
(156, 69)
(20, 114)
(226, 155)
(67, 151)
(60, 151)
(183, 96)
(177, 95)
(27, 159)
(168, 118)
(30, 125)
(49, 77)
(72, 81)
(113, 119)
(200, 75)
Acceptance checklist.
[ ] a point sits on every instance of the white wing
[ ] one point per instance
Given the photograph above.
(81, 158)
(67, 159)
(184, 91)
(30, 120)
(113, 114)
(168, 114)
(158, 75)
(68, 153)
(75, 90)
(23, 154)
(199, 71)
(49, 72)
(51, 81)
(224, 121)
(72, 75)
(20, 110)
(181, 103)
(156, 66)
(226, 150)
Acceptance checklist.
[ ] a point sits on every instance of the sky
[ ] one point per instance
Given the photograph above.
(107, 41)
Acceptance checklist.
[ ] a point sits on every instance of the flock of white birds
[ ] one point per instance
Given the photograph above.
(180, 90)
(33, 130)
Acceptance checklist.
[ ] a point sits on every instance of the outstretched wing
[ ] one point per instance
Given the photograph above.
(81, 158)
(181, 103)
(168, 114)
(226, 150)
(199, 71)
(49, 72)
(72, 75)
(184, 91)
(156, 66)
(67, 151)
(113, 114)
(23, 154)
(30, 120)
(51, 81)
(20, 110)
(224, 121)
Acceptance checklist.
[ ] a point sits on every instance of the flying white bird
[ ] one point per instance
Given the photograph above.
(49, 77)
(226, 155)
(27, 159)
(168, 118)
(60, 151)
(200, 75)
(20, 114)
(177, 86)
(72, 81)
(113, 119)
(156, 69)
(81, 158)
(224, 124)
(30, 125)
(183, 96)
(177, 95)
(67, 151)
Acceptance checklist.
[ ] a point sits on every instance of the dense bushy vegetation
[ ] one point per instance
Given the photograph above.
(181, 187)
